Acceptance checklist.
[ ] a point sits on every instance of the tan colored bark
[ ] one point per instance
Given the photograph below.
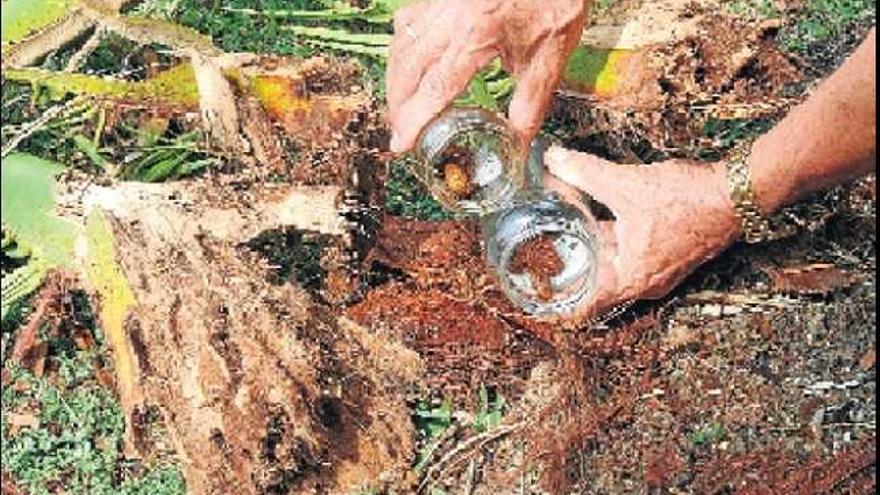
(259, 388)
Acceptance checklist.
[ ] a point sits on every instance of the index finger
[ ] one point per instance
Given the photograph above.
(413, 49)
(439, 86)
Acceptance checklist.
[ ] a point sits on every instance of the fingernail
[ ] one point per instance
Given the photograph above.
(395, 143)
(554, 155)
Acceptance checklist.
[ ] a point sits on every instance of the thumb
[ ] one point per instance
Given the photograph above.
(595, 176)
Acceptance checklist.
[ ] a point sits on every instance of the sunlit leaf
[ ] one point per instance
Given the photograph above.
(22, 18)
(28, 204)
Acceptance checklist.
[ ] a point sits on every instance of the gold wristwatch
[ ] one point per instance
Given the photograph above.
(756, 225)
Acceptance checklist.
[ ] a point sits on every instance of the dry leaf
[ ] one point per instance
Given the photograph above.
(868, 360)
(819, 278)
(19, 421)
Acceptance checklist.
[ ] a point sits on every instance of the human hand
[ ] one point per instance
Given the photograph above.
(440, 44)
(670, 218)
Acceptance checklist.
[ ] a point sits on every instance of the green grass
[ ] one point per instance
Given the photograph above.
(406, 197)
(753, 8)
(431, 421)
(77, 442)
(490, 410)
(709, 435)
(823, 20)
(819, 20)
(238, 32)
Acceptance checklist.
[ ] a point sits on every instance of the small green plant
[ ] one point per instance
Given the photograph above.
(709, 435)
(73, 437)
(490, 411)
(823, 20)
(431, 422)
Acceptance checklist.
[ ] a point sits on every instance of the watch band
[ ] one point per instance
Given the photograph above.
(756, 226)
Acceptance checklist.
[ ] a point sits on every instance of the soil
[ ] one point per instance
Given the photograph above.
(538, 257)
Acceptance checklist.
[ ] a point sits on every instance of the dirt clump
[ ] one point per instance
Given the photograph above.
(728, 68)
(540, 260)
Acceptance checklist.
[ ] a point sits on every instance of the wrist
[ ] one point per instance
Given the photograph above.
(725, 218)
(753, 211)
(773, 185)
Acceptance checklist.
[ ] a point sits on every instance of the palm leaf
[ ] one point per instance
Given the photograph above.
(22, 18)
(28, 204)
(21, 282)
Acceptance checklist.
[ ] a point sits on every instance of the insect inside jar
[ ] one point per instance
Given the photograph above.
(469, 162)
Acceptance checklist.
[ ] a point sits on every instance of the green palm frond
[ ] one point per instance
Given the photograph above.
(23, 280)
(22, 18)
(379, 12)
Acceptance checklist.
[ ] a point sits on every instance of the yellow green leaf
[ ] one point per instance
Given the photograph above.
(116, 297)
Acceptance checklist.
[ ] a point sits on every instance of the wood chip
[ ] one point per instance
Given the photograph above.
(818, 278)
(869, 360)
(19, 421)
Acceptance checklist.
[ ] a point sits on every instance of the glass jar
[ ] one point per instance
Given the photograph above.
(470, 161)
(542, 248)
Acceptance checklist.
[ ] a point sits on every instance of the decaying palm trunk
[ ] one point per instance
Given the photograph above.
(260, 389)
